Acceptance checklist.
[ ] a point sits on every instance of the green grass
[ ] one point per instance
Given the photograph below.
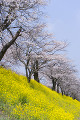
(20, 100)
(3, 116)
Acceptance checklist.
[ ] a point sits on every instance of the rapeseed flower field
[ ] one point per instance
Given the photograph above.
(21, 100)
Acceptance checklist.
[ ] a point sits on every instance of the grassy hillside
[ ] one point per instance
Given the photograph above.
(20, 100)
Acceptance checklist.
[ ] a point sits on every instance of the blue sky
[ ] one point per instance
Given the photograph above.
(64, 23)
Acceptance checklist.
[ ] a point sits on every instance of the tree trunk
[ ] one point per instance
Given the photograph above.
(54, 84)
(36, 77)
(29, 78)
(28, 74)
(57, 88)
(62, 91)
(4, 49)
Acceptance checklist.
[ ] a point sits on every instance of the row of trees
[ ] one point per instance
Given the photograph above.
(24, 40)
(63, 76)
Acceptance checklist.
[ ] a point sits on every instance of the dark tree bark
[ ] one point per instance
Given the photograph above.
(62, 91)
(54, 84)
(5, 47)
(36, 76)
(57, 88)
(6, 23)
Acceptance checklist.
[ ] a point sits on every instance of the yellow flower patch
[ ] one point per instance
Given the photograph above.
(34, 101)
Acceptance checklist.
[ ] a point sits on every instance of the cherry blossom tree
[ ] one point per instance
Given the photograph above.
(29, 52)
(36, 50)
(63, 76)
(16, 17)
